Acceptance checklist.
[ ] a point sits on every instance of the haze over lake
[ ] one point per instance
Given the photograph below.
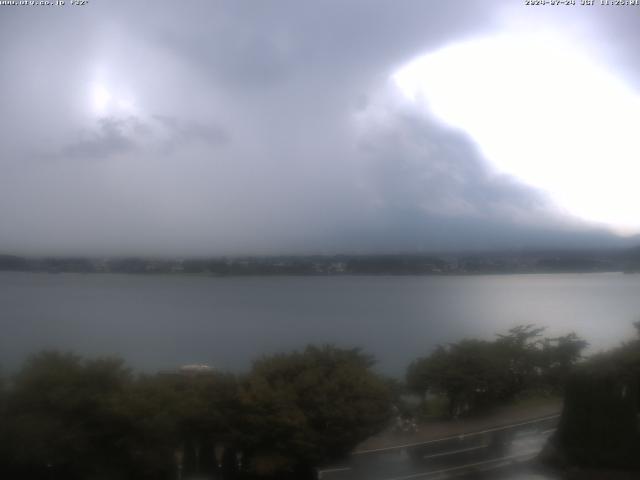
(158, 322)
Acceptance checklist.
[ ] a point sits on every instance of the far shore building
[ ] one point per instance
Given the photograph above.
(190, 370)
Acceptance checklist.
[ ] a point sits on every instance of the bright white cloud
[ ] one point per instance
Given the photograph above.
(543, 112)
(108, 101)
(100, 99)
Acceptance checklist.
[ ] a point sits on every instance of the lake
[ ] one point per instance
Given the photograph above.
(161, 322)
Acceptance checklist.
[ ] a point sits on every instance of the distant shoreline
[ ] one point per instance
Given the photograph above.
(321, 275)
(546, 262)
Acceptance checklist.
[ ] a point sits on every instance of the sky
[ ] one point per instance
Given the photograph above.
(274, 127)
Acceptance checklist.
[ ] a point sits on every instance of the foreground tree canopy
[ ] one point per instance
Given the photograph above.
(67, 417)
(473, 374)
(599, 424)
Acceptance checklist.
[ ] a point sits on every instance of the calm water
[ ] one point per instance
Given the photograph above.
(157, 322)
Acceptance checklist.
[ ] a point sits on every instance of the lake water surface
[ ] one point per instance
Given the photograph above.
(158, 322)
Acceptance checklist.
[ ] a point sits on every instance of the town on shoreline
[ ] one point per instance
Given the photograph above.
(525, 261)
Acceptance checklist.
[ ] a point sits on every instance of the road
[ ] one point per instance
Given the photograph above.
(499, 448)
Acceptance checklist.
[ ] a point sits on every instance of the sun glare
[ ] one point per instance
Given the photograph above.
(107, 101)
(100, 99)
(544, 112)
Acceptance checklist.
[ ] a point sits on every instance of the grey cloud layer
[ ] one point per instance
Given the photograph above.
(251, 135)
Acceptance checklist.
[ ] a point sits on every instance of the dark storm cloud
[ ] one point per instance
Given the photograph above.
(119, 135)
(184, 132)
(109, 138)
(416, 162)
(253, 129)
(433, 190)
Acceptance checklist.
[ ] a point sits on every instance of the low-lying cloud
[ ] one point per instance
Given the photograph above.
(248, 128)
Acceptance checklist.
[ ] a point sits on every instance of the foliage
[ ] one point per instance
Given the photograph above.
(71, 418)
(61, 417)
(305, 408)
(80, 419)
(520, 349)
(467, 372)
(559, 356)
(474, 374)
(599, 426)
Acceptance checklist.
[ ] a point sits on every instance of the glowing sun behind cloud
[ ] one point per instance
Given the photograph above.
(544, 112)
(106, 101)
(100, 98)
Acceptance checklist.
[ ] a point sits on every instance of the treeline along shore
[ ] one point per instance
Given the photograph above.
(532, 261)
(67, 417)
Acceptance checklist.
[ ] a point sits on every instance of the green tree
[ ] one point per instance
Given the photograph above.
(4, 441)
(520, 349)
(71, 418)
(61, 418)
(305, 408)
(558, 357)
(82, 419)
(469, 373)
(599, 426)
(204, 409)
(473, 374)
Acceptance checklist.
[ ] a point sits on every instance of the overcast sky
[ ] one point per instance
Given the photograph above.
(252, 127)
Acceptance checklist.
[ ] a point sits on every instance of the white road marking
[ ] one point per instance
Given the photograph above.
(468, 465)
(451, 437)
(453, 452)
(332, 470)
